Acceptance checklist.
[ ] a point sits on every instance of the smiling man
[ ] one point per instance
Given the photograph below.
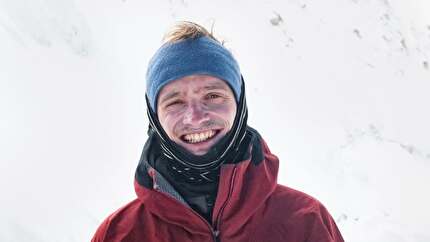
(196, 111)
(204, 175)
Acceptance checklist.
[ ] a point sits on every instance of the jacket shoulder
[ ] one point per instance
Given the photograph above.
(120, 220)
(295, 198)
(307, 212)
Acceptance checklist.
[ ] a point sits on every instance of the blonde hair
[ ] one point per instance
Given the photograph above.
(188, 30)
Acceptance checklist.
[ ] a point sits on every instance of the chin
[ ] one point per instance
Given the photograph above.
(198, 153)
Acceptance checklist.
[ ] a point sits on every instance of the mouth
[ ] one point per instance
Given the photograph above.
(200, 137)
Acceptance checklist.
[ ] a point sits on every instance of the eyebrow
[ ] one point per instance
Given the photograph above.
(170, 96)
(214, 86)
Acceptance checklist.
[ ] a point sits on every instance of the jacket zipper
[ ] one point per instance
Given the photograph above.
(214, 232)
(214, 229)
(218, 219)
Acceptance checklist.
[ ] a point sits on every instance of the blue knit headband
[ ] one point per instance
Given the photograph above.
(201, 55)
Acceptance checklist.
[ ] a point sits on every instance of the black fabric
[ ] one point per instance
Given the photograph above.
(148, 153)
(199, 195)
(257, 155)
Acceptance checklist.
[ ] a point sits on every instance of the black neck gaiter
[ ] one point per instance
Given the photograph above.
(198, 187)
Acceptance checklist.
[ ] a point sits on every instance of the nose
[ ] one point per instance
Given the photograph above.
(195, 114)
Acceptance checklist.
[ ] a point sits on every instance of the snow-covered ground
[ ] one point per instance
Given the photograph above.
(340, 90)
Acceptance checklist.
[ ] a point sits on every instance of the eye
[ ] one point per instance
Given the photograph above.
(174, 103)
(213, 96)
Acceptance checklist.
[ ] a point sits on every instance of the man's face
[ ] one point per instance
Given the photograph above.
(196, 111)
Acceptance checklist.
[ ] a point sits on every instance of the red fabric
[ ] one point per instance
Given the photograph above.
(250, 207)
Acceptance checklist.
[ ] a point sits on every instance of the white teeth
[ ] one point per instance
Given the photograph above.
(199, 137)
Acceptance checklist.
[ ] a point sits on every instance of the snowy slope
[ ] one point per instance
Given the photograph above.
(339, 90)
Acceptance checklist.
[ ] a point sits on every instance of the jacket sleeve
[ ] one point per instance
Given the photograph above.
(323, 227)
(100, 234)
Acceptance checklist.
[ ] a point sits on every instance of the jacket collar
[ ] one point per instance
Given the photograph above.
(244, 186)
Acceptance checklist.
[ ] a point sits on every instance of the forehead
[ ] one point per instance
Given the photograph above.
(193, 84)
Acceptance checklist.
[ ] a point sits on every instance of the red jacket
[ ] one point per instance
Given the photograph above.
(250, 207)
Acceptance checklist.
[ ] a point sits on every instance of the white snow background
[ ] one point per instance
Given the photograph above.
(339, 89)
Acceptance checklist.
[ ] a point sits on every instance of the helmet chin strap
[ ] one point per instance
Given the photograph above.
(224, 150)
